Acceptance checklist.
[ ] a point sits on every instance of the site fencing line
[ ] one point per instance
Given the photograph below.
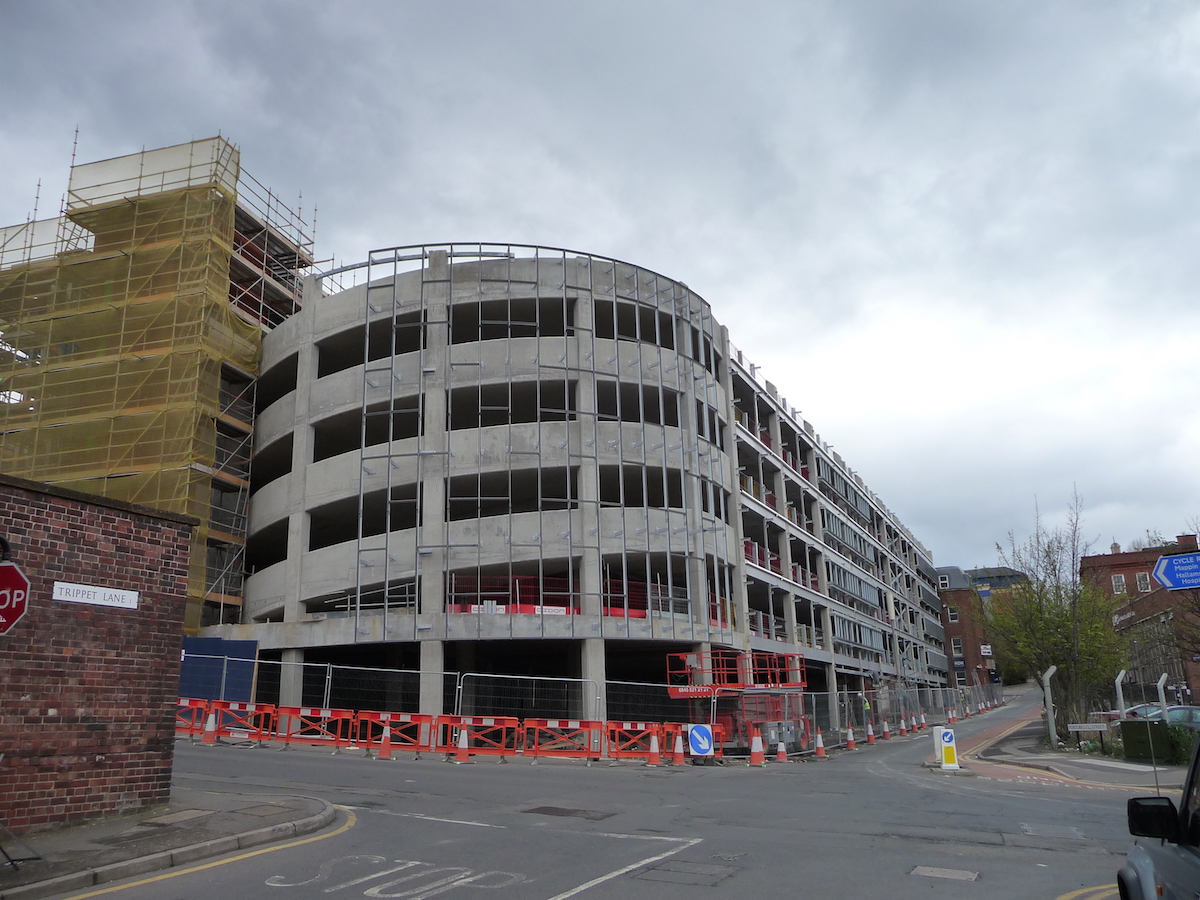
(380, 733)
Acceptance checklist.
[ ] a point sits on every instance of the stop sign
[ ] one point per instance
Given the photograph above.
(14, 595)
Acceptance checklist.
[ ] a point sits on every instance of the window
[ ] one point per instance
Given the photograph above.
(952, 613)
(943, 582)
(1118, 582)
(956, 646)
(1143, 582)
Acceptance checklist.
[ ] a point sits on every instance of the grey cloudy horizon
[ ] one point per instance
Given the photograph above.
(960, 237)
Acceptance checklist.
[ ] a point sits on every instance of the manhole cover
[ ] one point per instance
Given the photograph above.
(1052, 831)
(676, 871)
(590, 814)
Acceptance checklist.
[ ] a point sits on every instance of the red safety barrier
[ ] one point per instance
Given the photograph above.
(243, 721)
(403, 731)
(487, 735)
(190, 715)
(318, 727)
(631, 740)
(565, 738)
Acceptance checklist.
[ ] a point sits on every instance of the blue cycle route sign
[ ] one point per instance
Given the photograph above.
(700, 740)
(1179, 572)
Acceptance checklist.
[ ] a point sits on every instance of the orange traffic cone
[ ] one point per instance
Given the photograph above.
(385, 749)
(757, 756)
(887, 734)
(820, 745)
(677, 756)
(781, 753)
(903, 728)
(462, 754)
(655, 756)
(850, 738)
(913, 725)
(870, 734)
(924, 725)
(950, 718)
(210, 730)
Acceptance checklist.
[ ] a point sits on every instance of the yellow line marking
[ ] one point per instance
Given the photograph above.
(350, 820)
(1092, 893)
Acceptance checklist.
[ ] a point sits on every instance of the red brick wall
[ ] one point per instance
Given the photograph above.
(87, 693)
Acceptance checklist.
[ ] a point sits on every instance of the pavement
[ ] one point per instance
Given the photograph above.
(1022, 744)
(192, 826)
(198, 824)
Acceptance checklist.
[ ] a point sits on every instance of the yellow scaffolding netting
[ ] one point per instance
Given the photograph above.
(111, 356)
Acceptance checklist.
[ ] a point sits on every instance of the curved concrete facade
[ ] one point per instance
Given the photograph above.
(499, 445)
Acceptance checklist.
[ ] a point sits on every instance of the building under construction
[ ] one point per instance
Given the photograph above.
(130, 333)
(484, 458)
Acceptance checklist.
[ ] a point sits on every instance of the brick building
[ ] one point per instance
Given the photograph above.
(86, 714)
(1149, 615)
(967, 646)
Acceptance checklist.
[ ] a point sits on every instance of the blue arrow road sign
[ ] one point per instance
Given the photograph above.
(700, 740)
(1179, 572)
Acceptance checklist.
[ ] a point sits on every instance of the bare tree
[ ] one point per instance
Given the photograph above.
(1056, 619)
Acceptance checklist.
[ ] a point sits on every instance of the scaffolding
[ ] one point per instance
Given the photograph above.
(128, 351)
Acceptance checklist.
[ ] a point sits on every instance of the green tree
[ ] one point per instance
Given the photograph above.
(1056, 619)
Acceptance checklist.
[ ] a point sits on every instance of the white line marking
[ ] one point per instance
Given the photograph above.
(388, 812)
(685, 843)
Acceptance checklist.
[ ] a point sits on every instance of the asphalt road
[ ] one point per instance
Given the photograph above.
(872, 823)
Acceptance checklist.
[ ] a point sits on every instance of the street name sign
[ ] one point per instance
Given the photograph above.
(1179, 572)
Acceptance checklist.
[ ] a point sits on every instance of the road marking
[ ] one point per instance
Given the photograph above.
(1100, 892)
(350, 820)
(436, 819)
(954, 874)
(683, 842)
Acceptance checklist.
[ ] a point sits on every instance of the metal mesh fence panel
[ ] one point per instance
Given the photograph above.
(523, 697)
(635, 702)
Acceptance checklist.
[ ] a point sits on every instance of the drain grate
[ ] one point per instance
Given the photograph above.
(676, 871)
(589, 814)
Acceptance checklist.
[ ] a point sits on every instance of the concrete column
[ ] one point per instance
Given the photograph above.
(291, 678)
(593, 667)
(433, 461)
(590, 574)
(297, 538)
(432, 663)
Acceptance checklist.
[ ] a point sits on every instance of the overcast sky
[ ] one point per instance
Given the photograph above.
(961, 237)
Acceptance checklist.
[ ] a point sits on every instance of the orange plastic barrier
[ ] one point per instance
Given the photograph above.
(566, 738)
(243, 721)
(488, 735)
(404, 731)
(190, 715)
(631, 740)
(318, 727)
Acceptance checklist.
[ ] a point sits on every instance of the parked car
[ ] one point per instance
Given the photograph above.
(1141, 711)
(1168, 864)
(1187, 716)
